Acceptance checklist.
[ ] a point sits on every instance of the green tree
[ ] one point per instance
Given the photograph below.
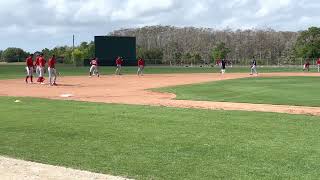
(196, 58)
(220, 51)
(152, 55)
(47, 53)
(14, 55)
(78, 56)
(308, 43)
(1, 55)
(187, 58)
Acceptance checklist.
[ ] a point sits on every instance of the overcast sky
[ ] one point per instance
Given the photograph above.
(37, 24)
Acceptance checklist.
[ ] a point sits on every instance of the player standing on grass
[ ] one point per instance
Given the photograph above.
(254, 66)
(119, 62)
(306, 66)
(29, 68)
(52, 71)
(42, 66)
(140, 66)
(318, 64)
(94, 67)
(223, 66)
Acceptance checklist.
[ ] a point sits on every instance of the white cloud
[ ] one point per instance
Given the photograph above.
(46, 23)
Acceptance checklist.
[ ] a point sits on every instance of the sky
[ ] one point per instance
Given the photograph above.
(37, 24)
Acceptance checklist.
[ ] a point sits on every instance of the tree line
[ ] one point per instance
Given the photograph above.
(168, 44)
(64, 54)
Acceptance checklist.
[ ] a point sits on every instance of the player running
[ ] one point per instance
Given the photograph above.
(223, 66)
(29, 68)
(318, 64)
(141, 65)
(253, 66)
(42, 66)
(119, 62)
(94, 68)
(52, 71)
(306, 65)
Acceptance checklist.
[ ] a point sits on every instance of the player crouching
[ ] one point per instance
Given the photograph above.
(29, 68)
(140, 67)
(94, 67)
(52, 71)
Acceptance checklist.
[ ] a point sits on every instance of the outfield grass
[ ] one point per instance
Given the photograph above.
(300, 91)
(18, 71)
(161, 143)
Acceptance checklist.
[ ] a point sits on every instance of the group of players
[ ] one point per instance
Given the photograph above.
(94, 69)
(39, 67)
(306, 66)
(222, 63)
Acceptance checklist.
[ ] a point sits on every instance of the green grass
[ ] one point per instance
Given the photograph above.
(161, 143)
(300, 91)
(9, 71)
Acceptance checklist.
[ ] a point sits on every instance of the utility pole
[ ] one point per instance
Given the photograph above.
(72, 42)
(72, 56)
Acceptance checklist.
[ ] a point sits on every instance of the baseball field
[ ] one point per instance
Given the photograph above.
(171, 123)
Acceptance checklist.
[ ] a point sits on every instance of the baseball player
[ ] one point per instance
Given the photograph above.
(119, 62)
(140, 66)
(52, 71)
(318, 64)
(37, 66)
(253, 66)
(42, 66)
(29, 68)
(223, 66)
(94, 67)
(306, 66)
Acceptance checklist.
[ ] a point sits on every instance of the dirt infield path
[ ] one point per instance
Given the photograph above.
(130, 89)
(12, 169)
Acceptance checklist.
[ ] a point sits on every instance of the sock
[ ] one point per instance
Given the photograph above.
(27, 78)
(31, 79)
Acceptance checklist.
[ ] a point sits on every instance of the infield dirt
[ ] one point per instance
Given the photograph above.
(131, 89)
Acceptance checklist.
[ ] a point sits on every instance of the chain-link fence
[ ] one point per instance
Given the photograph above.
(281, 62)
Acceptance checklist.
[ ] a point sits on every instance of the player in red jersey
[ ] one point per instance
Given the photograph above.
(94, 67)
(306, 66)
(141, 65)
(318, 64)
(42, 65)
(119, 62)
(36, 65)
(52, 71)
(29, 68)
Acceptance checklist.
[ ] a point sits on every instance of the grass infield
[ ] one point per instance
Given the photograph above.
(300, 91)
(146, 142)
(18, 71)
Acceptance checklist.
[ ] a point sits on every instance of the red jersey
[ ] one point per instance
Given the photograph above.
(307, 64)
(42, 62)
(52, 62)
(94, 62)
(29, 61)
(37, 61)
(140, 62)
(318, 62)
(119, 61)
